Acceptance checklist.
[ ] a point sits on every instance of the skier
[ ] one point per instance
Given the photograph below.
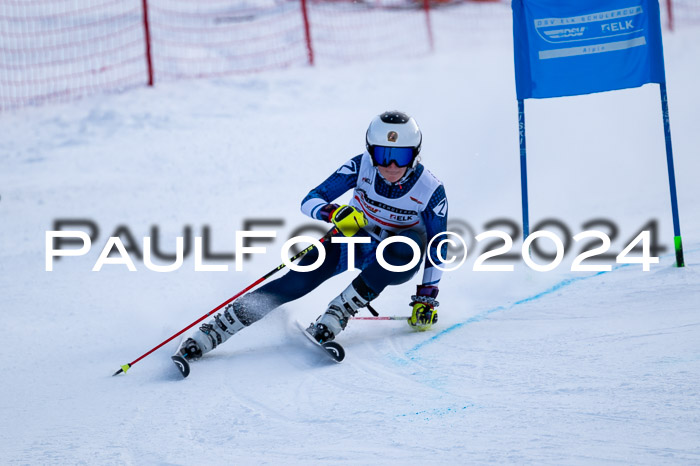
(393, 195)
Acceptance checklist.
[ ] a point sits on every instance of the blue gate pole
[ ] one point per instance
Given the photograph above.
(523, 168)
(678, 244)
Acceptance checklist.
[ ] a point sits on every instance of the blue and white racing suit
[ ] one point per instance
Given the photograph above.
(415, 207)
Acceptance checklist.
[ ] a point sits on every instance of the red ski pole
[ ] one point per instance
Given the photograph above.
(381, 318)
(325, 237)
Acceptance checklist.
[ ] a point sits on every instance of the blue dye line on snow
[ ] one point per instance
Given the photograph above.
(437, 412)
(481, 316)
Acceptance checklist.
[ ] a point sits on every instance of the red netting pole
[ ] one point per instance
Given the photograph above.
(426, 7)
(147, 38)
(669, 10)
(307, 31)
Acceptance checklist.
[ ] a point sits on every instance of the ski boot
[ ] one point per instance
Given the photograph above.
(344, 306)
(210, 335)
(320, 332)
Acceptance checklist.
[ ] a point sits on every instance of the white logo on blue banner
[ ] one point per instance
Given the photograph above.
(611, 30)
(574, 47)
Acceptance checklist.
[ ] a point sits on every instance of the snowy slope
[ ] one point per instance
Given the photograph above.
(524, 367)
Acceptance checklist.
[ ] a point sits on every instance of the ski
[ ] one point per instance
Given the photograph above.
(180, 362)
(331, 349)
(182, 365)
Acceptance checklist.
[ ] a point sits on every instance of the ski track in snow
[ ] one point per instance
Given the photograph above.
(553, 368)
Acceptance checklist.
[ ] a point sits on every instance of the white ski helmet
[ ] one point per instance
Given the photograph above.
(393, 132)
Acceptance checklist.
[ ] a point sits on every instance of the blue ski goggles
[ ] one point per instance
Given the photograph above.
(383, 156)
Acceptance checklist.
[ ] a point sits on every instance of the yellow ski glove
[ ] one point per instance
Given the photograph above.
(348, 220)
(424, 304)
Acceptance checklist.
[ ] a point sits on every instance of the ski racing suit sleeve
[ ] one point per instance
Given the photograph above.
(344, 179)
(435, 219)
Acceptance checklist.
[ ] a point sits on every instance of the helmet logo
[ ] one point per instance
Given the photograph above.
(392, 136)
